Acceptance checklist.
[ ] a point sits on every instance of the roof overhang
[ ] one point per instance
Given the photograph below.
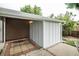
(21, 15)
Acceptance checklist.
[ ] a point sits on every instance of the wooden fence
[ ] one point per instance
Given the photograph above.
(75, 34)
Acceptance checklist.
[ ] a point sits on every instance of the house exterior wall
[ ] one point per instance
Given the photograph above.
(1, 30)
(52, 33)
(36, 32)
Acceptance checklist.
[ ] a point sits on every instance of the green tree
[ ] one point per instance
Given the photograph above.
(69, 25)
(73, 5)
(27, 9)
(33, 10)
(37, 10)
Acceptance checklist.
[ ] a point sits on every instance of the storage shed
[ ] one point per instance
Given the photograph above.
(44, 31)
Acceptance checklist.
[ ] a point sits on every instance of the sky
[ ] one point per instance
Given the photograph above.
(48, 6)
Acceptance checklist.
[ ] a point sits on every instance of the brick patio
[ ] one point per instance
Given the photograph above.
(23, 47)
(18, 47)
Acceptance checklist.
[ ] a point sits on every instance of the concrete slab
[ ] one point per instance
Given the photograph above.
(63, 49)
(39, 52)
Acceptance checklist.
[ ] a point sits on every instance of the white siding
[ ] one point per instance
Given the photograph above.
(36, 32)
(46, 33)
(52, 33)
(4, 29)
(0, 30)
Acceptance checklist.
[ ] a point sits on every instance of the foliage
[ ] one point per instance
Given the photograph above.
(70, 42)
(33, 10)
(27, 9)
(69, 25)
(52, 15)
(37, 10)
(73, 5)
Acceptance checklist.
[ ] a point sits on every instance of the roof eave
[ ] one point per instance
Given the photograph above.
(21, 15)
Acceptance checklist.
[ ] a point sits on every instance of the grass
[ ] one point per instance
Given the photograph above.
(70, 42)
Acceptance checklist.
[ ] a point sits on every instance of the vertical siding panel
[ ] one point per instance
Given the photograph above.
(37, 32)
(57, 33)
(54, 33)
(33, 31)
(0, 30)
(40, 34)
(4, 30)
(51, 33)
(61, 32)
(46, 33)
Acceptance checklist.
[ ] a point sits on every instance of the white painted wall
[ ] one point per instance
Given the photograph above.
(0, 30)
(52, 33)
(36, 32)
(46, 33)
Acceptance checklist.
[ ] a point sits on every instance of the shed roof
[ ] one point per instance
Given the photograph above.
(21, 15)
